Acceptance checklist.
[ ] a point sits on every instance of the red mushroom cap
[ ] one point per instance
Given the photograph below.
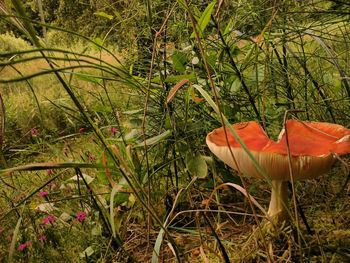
(312, 139)
(311, 145)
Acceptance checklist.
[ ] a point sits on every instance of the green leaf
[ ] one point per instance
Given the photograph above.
(96, 230)
(111, 210)
(197, 165)
(102, 109)
(177, 78)
(14, 239)
(235, 86)
(157, 245)
(155, 139)
(103, 14)
(182, 3)
(87, 252)
(132, 112)
(229, 27)
(204, 19)
(179, 61)
(88, 77)
(88, 179)
(118, 16)
(97, 43)
(133, 135)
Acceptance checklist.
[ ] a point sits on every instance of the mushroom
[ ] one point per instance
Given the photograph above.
(312, 147)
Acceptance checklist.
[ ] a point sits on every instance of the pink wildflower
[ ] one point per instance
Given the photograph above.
(81, 130)
(43, 193)
(34, 132)
(114, 131)
(81, 216)
(50, 171)
(49, 219)
(22, 247)
(42, 238)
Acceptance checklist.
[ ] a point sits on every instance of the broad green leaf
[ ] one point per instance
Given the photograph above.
(155, 139)
(197, 165)
(177, 78)
(96, 230)
(131, 112)
(87, 252)
(204, 19)
(103, 14)
(133, 135)
(179, 61)
(235, 86)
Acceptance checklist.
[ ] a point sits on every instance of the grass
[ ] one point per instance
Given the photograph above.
(148, 201)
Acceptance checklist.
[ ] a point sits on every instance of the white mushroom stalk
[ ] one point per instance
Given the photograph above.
(312, 149)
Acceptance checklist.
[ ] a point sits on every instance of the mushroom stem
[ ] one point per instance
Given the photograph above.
(278, 210)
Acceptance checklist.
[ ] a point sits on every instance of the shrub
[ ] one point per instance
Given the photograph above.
(10, 43)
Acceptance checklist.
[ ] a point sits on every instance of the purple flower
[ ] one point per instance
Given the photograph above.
(114, 131)
(22, 247)
(49, 219)
(34, 132)
(43, 193)
(81, 216)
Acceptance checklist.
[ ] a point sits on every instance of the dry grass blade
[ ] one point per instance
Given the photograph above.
(173, 91)
(204, 257)
(2, 121)
(239, 188)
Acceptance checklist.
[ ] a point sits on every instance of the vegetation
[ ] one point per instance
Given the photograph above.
(105, 106)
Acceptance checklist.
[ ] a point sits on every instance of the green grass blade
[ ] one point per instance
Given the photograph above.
(111, 209)
(14, 240)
